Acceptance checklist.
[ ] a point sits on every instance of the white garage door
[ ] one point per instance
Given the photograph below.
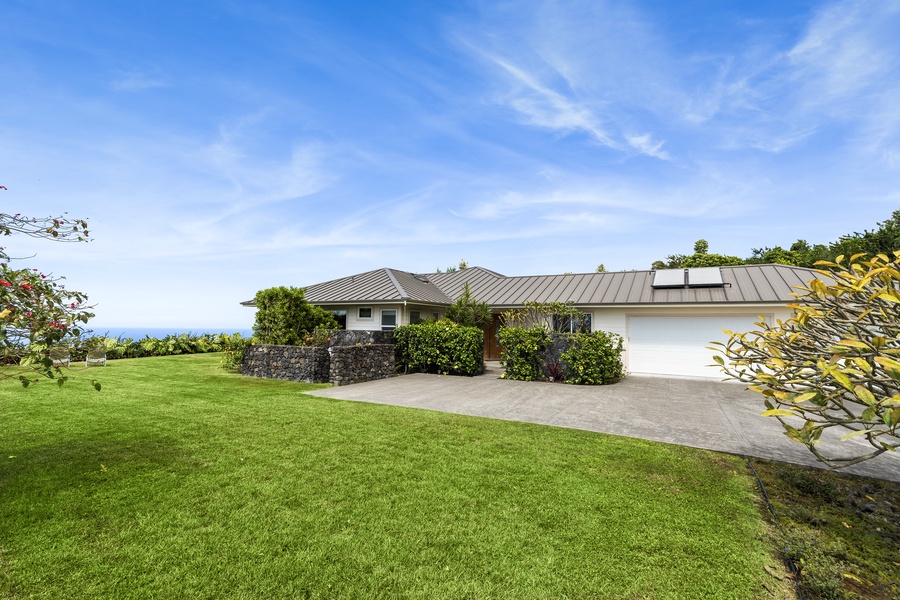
(678, 345)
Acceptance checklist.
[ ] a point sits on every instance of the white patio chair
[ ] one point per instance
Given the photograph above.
(60, 356)
(95, 357)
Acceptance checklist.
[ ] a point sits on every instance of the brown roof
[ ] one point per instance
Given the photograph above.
(742, 284)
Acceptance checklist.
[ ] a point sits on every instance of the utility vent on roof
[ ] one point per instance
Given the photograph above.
(705, 277)
(668, 278)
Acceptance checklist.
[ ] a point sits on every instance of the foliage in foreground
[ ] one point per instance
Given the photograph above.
(183, 481)
(36, 310)
(439, 347)
(835, 363)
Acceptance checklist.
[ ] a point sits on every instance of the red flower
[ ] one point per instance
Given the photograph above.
(26, 286)
(5, 283)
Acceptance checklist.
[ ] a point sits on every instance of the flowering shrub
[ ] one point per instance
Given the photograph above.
(439, 347)
(37, 313)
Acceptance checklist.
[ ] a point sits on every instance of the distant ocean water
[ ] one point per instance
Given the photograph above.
(139, 333)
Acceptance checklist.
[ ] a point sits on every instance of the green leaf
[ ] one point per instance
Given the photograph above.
(854, 434)
(892, 418)
(806, 397)
(890, 366)
(778, 412)
(865, 395)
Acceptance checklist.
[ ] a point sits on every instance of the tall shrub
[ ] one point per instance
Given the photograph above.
(468, 311)
(521, 354)
(283, 316)
(439, 347)
(593, 358)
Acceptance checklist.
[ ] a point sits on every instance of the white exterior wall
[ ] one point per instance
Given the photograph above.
(354, 323)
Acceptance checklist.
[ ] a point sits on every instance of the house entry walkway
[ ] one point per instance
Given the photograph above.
(689, 412)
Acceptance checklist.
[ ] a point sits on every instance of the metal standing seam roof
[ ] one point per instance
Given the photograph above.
(380, 285)
(742, 284)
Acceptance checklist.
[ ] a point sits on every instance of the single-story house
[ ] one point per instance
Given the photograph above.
(667, 317)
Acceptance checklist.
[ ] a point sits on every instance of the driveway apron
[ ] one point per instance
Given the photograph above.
(699, 413)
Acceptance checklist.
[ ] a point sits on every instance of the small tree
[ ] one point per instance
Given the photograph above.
(36, 311)
(601, 268)
(835, 363)
(469, 312)
(283, 316)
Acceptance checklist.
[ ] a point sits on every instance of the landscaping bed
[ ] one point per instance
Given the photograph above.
(842, 531)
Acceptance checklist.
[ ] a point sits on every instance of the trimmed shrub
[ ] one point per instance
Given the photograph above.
(593, 358)
(439, 347)
(521, 354)
(284, 317)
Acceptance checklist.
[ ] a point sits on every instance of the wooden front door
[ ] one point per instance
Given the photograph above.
(491, 345)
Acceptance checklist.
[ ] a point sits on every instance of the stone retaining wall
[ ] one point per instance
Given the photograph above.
(353, 364)
(346, 337)
(309, 364)
(338, 365)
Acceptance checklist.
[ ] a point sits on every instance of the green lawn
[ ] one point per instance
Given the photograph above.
(179, 480)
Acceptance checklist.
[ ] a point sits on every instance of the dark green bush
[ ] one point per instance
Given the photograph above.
(283, 316)
(439, 347)
(521, 352)
(593, 358)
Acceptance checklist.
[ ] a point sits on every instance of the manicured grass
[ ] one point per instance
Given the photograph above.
(179, 480)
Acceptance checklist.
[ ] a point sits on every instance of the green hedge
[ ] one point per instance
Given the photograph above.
(593, 358)
(439, 347)
(521, 352)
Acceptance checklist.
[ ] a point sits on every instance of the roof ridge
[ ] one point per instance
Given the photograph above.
(390, 274)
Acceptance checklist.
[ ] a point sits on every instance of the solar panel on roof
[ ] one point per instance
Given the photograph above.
(705, 277)
(668, 278)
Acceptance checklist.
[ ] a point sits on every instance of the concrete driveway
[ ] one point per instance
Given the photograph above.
(688, 412)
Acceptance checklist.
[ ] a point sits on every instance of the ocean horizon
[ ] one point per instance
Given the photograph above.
(139, 333)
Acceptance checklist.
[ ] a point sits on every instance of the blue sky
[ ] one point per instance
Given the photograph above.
(218, 148)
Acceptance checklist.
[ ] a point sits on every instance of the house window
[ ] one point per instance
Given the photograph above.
(388, 320)
(436, 316)
(569, 324)
(341, 317)
(365, 313)
(415, 316)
